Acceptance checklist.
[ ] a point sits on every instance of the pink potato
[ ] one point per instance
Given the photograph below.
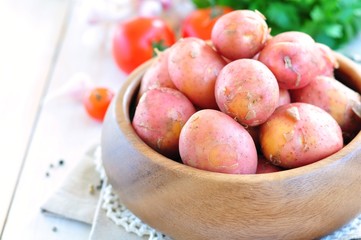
(330, 62)
(157, 74)
(284, 98)
(298, 134)
(247, 91)
(159, 117)
(336, 99)
(213, 141)
(240, 34)
(193, 67)
(255, 57)
(254, 132)
(294, 63)
(265, 166)
(291, 36)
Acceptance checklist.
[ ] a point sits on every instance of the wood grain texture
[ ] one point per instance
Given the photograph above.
(187, 203)
(63, 130)
(30, 31)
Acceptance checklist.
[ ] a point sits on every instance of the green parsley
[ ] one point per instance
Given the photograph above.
(332, 22)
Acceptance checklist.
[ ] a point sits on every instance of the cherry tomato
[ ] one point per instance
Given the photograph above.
(135, 40)
(200, 22)
(96, 102)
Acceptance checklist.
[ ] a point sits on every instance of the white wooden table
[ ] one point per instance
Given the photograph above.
(41, 47)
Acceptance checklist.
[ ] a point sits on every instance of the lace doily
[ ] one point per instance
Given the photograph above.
(122, 217)
(117, 212)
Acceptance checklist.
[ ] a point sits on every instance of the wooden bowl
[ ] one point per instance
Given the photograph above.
(186, 203)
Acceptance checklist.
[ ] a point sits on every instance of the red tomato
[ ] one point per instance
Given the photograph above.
(135, 40)
(96, 102)
(200, 22)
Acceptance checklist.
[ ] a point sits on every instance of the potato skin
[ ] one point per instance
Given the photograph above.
(291, 36)
(247, 91)
(193, 67)
(294, 64)
(296, 59)
(336, 99)
(298, 134)
(330, 62)
(157, 74)
(159, 117)
(213, 141)
(254, 132)
(265, 166)
(284, 98)
(240, 34)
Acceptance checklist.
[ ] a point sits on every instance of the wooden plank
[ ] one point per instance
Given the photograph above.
(64, 131)
(29, 33)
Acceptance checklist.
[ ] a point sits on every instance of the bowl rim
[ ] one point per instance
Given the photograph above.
(126, 94)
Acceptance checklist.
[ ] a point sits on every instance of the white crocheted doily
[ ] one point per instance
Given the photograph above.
(117, 212)
(122, 217)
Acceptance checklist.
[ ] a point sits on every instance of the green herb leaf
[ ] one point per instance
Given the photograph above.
(284, 16)
(334, 30)
(332, 22)
(317, 14)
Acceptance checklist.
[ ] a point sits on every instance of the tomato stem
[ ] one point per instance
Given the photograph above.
(158, 46)
(156, 52)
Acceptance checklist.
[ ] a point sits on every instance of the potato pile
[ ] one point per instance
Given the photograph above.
(246, 102)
